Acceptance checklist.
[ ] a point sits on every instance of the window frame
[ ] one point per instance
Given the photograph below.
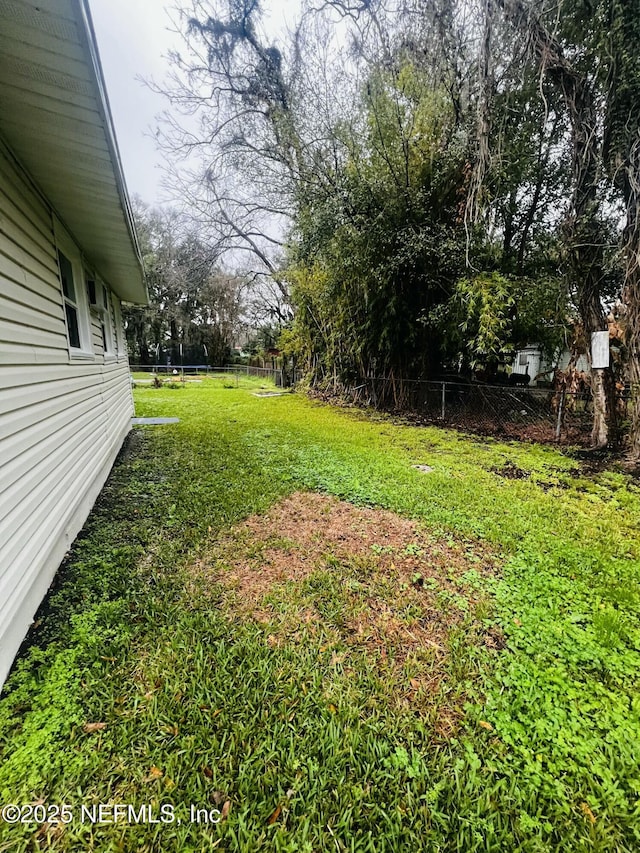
(119, 333)
(67, 248)
(71, 307)
(110, 349)
(100, 309)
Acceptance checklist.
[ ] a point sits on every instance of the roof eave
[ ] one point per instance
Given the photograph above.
(130, 289)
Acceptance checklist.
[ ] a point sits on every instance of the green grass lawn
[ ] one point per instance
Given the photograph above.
(472, 686)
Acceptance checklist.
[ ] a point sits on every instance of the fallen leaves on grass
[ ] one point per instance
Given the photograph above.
(586, 811)
(494, 639)
(89, 728)
(275, 815)
(154, 773)
(511, 472)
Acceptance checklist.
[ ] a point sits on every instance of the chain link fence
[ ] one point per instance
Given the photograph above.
(538, 414)
(235, 370)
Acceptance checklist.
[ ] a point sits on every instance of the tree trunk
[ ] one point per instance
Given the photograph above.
(582, 228)
(622, 153)
(633, 342)
(631, 295)
(599, 431)
(507, 246)
(593, 320)
(175, 345)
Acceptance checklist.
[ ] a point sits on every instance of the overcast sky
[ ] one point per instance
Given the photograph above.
(134, 37)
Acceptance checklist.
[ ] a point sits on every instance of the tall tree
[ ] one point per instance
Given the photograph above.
(583, 239)
(619, 40)
(238, 159)
(383, 246)
(194, 309)
(341, 158)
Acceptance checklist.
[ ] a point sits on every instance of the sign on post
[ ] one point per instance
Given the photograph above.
(599, 350)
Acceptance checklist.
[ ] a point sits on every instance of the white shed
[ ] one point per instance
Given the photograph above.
(528, 360)
(531, 360)
(68, 258)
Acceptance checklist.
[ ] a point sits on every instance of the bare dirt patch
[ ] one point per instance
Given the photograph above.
(365, 580)
(304, 531)
(511, 472)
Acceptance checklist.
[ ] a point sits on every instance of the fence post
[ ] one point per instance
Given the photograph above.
(443, 399)
(560, 413)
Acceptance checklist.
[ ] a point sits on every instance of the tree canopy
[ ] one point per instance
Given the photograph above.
(195, 309)
(426, 185)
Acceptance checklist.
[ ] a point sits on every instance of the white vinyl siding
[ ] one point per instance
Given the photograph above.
(62, 418)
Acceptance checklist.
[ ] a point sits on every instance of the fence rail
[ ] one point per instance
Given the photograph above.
(190, 369)
(541, 414)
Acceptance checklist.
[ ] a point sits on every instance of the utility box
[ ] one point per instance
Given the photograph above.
(599, 350)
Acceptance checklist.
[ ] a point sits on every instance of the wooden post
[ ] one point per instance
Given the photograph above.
(443, 399)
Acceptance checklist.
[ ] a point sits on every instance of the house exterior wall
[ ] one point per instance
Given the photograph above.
(582, 362)
(64, 412)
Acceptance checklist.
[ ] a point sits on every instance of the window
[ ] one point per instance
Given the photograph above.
(74, 295)
(107, 334)
(118, 327)
(70, 300)
(100, 304)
